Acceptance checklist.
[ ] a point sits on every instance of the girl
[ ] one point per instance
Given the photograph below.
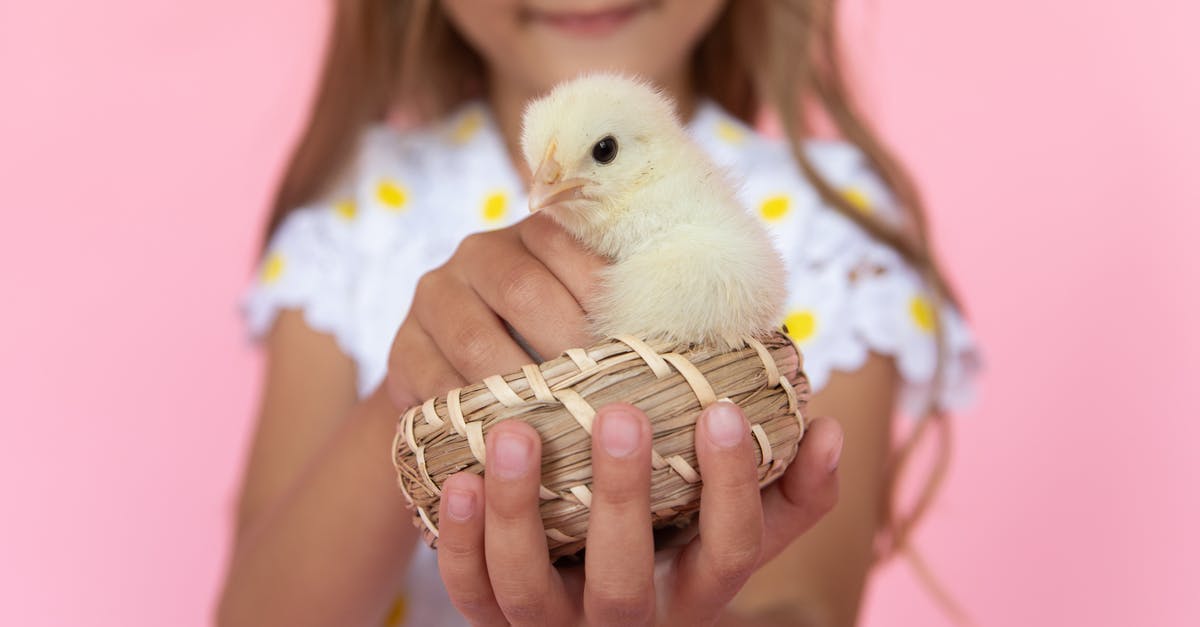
(398, 259)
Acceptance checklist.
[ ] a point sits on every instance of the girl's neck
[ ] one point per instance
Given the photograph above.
(507, 98)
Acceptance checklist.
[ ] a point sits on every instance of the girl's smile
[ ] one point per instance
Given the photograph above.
(588, 23)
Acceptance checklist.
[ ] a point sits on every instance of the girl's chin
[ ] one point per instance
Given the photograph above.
(568, 64)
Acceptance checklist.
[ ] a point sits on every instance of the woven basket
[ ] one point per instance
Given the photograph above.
(671, 383)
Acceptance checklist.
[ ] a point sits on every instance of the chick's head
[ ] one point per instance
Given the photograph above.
(591, 143)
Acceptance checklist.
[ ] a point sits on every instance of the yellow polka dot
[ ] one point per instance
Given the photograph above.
(858, 199)
(467, 127)
(495, 206)
(346, 209)
(921, 313)
(801, 325)
(272, 268)
(395, 617)
(391, 194)
(730, 132)
(774, 208)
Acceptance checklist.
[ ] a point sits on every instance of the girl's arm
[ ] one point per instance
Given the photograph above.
(819, 579)
(323, 536)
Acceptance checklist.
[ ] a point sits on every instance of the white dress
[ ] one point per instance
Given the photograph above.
(351, 263)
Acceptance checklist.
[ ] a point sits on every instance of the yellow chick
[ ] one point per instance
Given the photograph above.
(613, 165)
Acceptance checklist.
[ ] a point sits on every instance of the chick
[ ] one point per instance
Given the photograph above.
(613, 165)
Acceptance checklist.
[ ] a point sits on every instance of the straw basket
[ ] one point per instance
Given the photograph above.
(671, 383)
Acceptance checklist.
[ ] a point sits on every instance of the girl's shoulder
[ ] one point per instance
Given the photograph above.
(849, 295)
(350, 260)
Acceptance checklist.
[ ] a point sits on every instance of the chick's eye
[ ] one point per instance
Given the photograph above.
(605, 150)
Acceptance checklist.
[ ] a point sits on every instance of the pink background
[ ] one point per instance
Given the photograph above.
(1057, 142)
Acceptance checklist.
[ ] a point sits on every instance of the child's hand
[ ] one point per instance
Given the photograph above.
(492, 550)
(533, 275)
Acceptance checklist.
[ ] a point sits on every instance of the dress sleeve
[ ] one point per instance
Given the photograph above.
(850, 295)
(308, 265)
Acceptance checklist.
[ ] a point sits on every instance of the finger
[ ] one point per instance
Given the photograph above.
(619, 588)
(713, 567)
(527, 589)
(461, 559)
(417, 370)
(523, 291)
(465, 330)
(807, 490)
(575, 266)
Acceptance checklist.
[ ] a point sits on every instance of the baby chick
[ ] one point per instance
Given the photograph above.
(613, 165)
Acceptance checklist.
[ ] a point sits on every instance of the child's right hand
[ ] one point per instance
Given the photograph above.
(534, 275)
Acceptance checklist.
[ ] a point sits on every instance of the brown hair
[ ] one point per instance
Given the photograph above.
(781, 54)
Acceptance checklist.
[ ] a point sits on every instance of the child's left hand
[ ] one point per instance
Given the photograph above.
(492, 551)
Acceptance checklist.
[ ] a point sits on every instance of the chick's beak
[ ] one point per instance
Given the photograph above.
(548, 187)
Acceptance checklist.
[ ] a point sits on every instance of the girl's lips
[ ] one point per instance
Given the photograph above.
(589, 23)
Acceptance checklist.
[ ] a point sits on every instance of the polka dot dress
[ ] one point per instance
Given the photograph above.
(351, 262)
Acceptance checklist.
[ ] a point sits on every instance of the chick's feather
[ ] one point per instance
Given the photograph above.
(689, 263)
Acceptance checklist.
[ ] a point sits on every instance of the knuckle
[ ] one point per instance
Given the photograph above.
(808, 502)
(470, 602)
(826, 500)
(407, 383)
(734, 564)
(401, 385)
(558, 239)
(513, 512)
(621, 607)
(470, 245)
(399, 391)
(456, 550)
(428, 283)
(439, 386)
(535, 227)
(544, 233)
(621, 494)
(473, 345)
(424, 385)
(400, 347)
(737, 472)
(523, 607)
(524, 287)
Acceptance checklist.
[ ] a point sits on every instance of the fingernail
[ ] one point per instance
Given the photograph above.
(836, 456)
(512, 456)
(620, 432)
(460, 505)
(724, 424)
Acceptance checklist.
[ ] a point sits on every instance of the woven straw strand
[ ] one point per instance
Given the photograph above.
(657, 364)
(584, 495)
(764, 443)
(537, 383)
(560, 537)
(454, 408)
(502, 392)
(767, 361)
(581, 359)
(475, 441)
(431, 417)
(579, 408)
(684, 469)
(704, 392)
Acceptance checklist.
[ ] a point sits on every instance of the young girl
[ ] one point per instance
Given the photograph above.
(400, 256)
